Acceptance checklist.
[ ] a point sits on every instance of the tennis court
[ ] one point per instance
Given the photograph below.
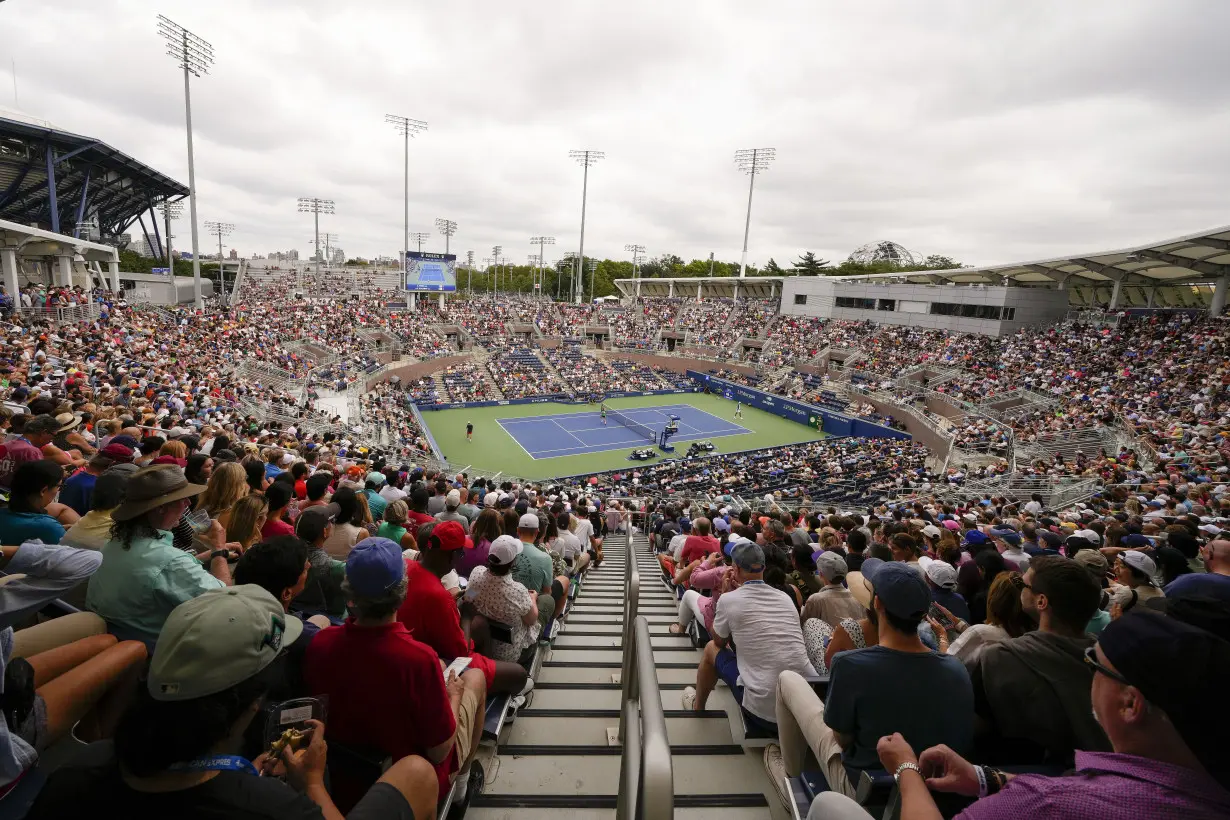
(572, 434)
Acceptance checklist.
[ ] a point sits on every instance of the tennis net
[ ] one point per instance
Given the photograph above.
(635, 426)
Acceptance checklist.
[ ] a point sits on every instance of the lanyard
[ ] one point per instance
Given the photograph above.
(216, 763)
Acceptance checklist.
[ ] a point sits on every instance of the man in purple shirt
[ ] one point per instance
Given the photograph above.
(1157, 693)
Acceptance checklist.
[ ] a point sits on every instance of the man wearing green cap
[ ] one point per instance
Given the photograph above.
(176, 751)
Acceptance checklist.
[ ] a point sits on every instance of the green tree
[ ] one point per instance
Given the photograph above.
(809, 265)
(772, 268)
(937, 262)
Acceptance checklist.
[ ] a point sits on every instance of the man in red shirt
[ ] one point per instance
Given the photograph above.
(431, 614)
(387, 690)
(37, 433)
(700, 543)
(418, 515)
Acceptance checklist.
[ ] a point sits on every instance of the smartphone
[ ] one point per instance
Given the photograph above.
(458, 666)
(934, 612)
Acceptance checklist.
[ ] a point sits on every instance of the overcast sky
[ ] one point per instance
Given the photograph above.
(986, 130)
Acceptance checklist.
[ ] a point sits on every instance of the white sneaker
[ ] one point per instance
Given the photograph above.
(776, 768)
(529, 687)
(510, 712)
(689, 698)
(556, 626)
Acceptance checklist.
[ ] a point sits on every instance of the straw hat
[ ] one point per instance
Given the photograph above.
(152, 487)
(67, 421)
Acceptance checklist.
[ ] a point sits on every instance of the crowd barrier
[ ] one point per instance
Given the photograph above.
(833, 423)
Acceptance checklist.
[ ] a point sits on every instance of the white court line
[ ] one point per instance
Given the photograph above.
(596, 413)
(514, 438)
(616, 446)
(569, 432)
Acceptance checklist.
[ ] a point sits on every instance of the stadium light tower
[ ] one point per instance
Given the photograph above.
(569, 261)
(330, 240)
(170, 210)
(496, 250)
(315, 206)
(586, 159)
(220, 229)
(541, 242)
(420, 237)
(407, 128)
(593, 270)
(751, 161)
(194, 56)
(469, 270)
(637, 252)
(447, 227)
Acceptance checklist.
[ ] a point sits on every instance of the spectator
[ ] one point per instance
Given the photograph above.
(394, 525)
(1167, 751)
(29, 515)
(803, 577)
(1008, 541)
(700, 543)
(483, 532)
(451, 503)
(1214, 582)
(1005, 619)
(79, 487)
(504, 619)
(430, 612)
(942, 581)
(418, 514)
(143, 576)
(248, 517)
(1032, 691)
(533, 569)
(898, 686)
(93, 529)
(25, 447)
(1135, 572)
(833, 601)
(322, 593)
(763, 625)
(348, 528)
(208, 679)
(371, 488)
(386, 689)
(227, 484)
(279, 496)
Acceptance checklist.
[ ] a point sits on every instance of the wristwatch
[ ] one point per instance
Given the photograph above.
(909, 764)
(223, 553)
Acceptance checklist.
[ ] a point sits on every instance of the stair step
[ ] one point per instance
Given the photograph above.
(587, 673)
(591, 731)
(609, 640)
(549, 695)
(480, 812)
(664, 657)
(595, 771)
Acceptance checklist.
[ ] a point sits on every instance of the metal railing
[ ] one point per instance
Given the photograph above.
(646, 774)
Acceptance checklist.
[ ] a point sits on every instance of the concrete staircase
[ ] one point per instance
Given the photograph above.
(559, 760)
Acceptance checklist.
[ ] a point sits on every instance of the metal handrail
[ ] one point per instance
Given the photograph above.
(646, 776)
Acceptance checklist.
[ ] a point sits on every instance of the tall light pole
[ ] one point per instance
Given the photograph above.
(315, 206)
(487, 270)
(407, 128)
(496, 250)
(469, 270)
(170, 210)
(420, 237)
(593, 269)
(751, 161)
(637, 252)
(194, 56)
(541, 242)
(330, 240)
(586, 158)
(220, 229)
(447, 227)
(569, 260)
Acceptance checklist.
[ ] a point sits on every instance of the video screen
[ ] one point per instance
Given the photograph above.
(431, 272)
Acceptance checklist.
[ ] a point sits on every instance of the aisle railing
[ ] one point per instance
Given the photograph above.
(646, 777)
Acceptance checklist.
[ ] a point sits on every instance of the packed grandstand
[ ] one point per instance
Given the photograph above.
(1060, 504)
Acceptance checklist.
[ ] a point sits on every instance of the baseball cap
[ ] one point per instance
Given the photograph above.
(1090, 536)
(1152, 652)
(453, 499)
(503, 551)
(1007, 535)
(721, 525)
(1141, 563)
(931, 531)
(975, 537)
(447, 536)
(831, 565)
(942, 574)
(116, 452)
(529, 521)
(1092, 560)
(748, 557)
(899, 586)
(1134, 539)
(218, 639)
(951, 524)
(375, 565)
(491, 499)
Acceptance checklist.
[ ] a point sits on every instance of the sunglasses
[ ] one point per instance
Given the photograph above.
(1091, 658)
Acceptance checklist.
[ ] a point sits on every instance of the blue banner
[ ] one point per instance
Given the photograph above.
(835, 424)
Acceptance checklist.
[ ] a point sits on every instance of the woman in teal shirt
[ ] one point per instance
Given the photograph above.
(35, 485)
(143, 576)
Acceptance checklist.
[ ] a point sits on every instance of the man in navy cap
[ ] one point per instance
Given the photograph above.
(898, 686)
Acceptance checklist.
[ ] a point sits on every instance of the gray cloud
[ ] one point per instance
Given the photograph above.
(991, 131)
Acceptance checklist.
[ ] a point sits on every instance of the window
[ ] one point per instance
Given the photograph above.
(887, 304)
(857, 304)
(993, 312)
(800, 298)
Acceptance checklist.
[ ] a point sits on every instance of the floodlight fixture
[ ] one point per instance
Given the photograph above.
(407, 128)
(586, 158)
(447, 227)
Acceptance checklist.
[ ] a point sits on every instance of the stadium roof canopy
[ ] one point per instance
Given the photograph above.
(716, 287)
(56, 179)
(1194, 259)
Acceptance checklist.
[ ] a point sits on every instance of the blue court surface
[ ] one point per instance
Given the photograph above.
(573, 434)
